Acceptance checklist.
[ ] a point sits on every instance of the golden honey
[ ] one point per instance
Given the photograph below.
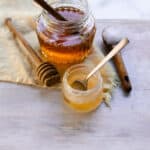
(66, 42)
(86, 106)
(82, 101)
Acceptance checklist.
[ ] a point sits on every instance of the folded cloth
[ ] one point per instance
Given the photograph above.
(15, 66)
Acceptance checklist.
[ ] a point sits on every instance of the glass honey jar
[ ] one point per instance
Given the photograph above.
(79, 100)
(66, 42)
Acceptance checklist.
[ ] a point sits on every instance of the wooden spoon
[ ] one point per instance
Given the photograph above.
(83, 84)
(50, 9)
(110, 38)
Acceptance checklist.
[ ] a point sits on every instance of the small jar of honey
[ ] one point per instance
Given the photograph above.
(66, 42)
(79, 100)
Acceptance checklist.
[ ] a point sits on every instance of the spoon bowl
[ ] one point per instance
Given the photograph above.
(80, 85)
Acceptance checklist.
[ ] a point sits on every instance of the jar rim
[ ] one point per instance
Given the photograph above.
(70, 23)
(80, 92)
(80, 21)
(84, 8)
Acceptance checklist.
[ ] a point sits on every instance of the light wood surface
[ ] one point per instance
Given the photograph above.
(37, 119)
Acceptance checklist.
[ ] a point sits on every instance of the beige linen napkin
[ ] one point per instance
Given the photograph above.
(15, 66)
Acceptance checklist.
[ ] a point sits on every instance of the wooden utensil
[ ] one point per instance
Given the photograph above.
(83, 84)
(50, 9)
(54, 13)
(45, 71)
(110, 42)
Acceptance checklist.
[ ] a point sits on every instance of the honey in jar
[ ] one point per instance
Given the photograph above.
(79, 100)
(66, 42)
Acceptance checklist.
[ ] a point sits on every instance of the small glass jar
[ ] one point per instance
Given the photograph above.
(82, 101)
(66, 42)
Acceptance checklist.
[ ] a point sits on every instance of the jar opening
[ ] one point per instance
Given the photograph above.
(74, 70)
(76, 15)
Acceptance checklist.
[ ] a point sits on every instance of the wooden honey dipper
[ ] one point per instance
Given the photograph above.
(45, 71)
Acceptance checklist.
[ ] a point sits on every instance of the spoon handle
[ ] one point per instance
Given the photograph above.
(110, 55)
(50, 9)
(31, 53)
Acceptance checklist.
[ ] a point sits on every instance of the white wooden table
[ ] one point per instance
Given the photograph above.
(37, 119)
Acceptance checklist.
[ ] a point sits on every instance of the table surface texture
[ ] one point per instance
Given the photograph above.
(33, 118)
